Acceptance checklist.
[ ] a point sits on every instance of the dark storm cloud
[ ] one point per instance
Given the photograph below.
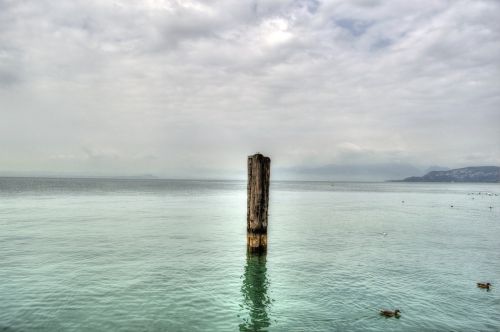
(175, 87)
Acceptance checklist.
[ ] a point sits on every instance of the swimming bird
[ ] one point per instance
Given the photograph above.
(389, 313)
(485, 285)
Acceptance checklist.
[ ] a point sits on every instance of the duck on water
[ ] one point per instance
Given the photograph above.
(389, 313)
(485, 285)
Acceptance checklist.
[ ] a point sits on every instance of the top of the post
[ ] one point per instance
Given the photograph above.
(259, 156)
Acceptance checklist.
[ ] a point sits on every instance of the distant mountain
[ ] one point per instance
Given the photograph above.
(467, 174)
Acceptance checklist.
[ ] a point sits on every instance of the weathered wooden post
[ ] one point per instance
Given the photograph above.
(259, 168)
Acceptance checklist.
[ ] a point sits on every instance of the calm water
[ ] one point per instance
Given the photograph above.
(134, 255)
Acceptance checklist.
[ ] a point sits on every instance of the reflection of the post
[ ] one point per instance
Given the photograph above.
(254, 290)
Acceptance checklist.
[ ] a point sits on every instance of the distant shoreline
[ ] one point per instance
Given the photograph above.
(458, 182)
(475, 174)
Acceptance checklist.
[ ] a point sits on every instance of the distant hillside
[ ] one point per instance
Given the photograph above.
(467, 174)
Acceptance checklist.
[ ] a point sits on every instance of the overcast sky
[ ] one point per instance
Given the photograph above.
(190, 88)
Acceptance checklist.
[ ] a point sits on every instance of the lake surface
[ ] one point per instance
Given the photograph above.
(161, 255)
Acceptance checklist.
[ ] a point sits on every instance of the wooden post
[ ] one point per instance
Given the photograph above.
(259, 168)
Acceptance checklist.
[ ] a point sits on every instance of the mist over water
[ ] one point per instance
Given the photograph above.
(159, 255)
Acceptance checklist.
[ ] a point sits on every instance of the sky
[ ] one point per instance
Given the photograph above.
(360, 89)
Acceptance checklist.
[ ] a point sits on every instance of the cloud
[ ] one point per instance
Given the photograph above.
(196, 84)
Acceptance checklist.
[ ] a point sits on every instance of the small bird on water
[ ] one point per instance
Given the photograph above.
(485, 285)
(388, 313)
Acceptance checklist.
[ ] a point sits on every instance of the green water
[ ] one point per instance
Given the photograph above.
(155, 255)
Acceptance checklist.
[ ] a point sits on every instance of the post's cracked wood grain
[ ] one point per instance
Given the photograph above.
(259, 168)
